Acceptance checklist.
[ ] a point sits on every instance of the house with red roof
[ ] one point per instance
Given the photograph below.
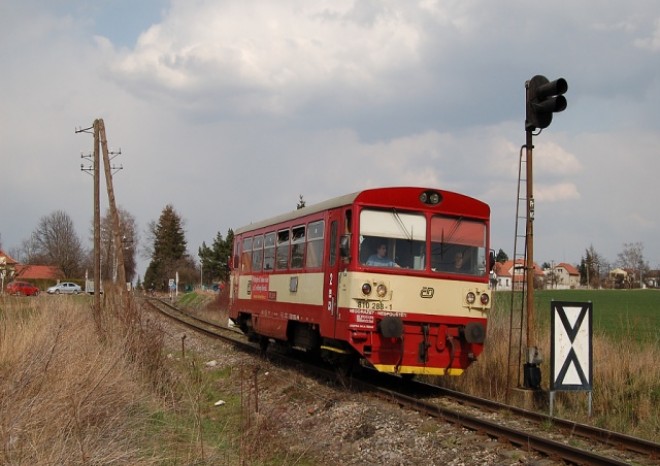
(563, 276)
(38, 272)
(511, 275)
(10, 270)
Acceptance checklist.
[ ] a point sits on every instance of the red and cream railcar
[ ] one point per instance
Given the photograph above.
(398, 277)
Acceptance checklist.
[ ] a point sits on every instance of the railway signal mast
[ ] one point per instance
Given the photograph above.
(543, 98)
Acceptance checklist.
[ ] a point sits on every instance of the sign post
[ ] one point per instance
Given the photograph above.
(571, 359)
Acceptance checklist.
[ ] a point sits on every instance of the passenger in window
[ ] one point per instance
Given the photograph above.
(460, 264)
(380, 259)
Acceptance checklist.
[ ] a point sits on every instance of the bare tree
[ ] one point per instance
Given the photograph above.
(632, 258)
(55, 242)
(130, 241)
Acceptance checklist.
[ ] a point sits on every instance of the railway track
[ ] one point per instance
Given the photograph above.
(601, 447)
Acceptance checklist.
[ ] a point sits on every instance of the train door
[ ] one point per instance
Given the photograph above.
(331, 278)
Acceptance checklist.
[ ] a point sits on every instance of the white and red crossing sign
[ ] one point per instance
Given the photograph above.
(571, 360)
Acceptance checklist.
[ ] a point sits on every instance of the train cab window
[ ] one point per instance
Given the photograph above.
(246, 256)
(297, 247)
(314, 257)
(389, 238)
(458, 246)
(257, 253)
(269, 251)
(333, 242)
(282, 251)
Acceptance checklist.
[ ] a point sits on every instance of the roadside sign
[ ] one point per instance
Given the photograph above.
(571, 356)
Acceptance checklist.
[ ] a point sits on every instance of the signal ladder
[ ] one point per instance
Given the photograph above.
(518, 278)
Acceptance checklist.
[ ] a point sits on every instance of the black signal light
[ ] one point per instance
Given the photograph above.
(544, 98)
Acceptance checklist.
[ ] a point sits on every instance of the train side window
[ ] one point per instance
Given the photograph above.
(269, 251)
(314, 257)
(257, 253)
(246, 255)
(298, 247)
(236, 253)
(282, 251)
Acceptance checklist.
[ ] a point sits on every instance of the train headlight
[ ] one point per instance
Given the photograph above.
(484, 298)
(381, 290)
(430, 197)
(366, 289)
(470, 297)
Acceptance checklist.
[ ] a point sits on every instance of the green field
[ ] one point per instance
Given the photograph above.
(617, 313)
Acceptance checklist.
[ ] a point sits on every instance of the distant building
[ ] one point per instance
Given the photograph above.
(10, 270)
(510, 275)
(7, 268)
(652, 278)
(620, 278)
(562, 276)
(38, 272)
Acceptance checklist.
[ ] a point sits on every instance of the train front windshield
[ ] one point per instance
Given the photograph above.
(452, 245)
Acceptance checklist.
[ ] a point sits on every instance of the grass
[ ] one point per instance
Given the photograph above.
(626, 348)
(80, 388)
(616, 313)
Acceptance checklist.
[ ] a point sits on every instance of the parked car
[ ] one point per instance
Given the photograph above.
(22, 288)
(65, 288)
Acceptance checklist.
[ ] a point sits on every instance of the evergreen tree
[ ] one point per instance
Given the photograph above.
(214, 259)
(501, 256)
(169, 254)
(590, 268)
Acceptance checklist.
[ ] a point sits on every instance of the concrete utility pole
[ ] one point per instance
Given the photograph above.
(97, 211)
(100, 140)
(118, 237)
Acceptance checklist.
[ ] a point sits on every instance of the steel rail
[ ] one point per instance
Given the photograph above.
(615, 439)
(522, 439)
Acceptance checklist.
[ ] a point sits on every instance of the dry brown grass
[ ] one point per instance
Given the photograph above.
(80, 388)
(626, 380)
(68, 392)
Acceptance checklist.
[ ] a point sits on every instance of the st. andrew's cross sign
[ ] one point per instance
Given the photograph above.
(571, 359)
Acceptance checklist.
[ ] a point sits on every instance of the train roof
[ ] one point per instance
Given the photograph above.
(307, 210)
(384, 197)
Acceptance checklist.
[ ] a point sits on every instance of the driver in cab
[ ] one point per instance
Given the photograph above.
(380, 259)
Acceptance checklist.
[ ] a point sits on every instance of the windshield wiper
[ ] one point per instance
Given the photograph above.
(402, 225)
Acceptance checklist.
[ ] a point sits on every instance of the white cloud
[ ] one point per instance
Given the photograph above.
(552, 159)
(273, 55)
(556, 192)
(652, 42)
(229, 110)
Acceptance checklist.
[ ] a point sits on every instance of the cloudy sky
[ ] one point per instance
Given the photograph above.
(231, 109)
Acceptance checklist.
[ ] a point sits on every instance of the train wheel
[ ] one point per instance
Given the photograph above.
(263, 344)
(347, 365)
